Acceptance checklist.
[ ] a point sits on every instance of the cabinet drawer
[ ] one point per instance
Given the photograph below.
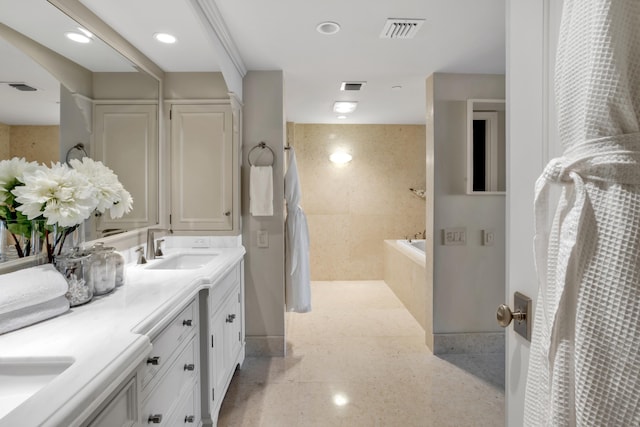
(188, 412)
(222, 287)
(168, 341)
(121, 410)
(178, 381)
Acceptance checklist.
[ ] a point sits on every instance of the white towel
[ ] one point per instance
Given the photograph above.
(261, 191)
(30, 286)
(33, 314)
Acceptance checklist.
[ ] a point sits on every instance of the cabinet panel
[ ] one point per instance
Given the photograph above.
(121, 411)
(202, 167)
(179, 379)
(168, 341)
(125, 139)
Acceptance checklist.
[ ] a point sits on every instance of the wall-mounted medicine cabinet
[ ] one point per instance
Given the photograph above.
(486, 146)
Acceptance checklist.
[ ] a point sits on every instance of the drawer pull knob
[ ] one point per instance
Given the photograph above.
(231, 318)
(188, 322)
(154, 419)
(189, 367)
(153, 361)
(189, 419)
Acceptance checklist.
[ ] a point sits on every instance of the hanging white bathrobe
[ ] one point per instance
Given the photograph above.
(297, 277)
(584, 366)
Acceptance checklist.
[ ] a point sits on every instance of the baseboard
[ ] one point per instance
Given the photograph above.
(261, 346)
(477, 342)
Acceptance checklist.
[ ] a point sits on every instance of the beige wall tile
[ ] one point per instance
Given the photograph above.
(353, 208)
(5, 142)
(36, 143)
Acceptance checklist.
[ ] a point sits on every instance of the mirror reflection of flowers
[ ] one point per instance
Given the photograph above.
(64, 196)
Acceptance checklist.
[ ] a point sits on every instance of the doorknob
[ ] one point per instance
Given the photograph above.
(522, 314)
(505, 315)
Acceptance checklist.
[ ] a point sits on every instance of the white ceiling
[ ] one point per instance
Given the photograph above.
(463, 36)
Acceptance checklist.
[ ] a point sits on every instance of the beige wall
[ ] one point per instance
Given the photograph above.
(5, 141)
(353, 208)
(467, 281)
(34, 143)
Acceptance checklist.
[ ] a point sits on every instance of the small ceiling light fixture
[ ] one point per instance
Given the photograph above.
(77, 37)
(85, 32)
(342, 117)
(344, 107)
(340, 399)
(165, 38)
(340, 157)
(327, 28)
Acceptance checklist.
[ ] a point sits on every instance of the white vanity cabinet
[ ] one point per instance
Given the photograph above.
(225, 348)
(204, 167)
(121, 410)
(169, 380)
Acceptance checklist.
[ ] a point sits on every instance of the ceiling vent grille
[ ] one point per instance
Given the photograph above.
(396, 28)
(347, 86)
(22, 87)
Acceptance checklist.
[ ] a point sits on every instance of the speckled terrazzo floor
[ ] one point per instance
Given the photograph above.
(358, 359)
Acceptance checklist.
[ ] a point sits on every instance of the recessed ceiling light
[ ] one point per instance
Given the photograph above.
(77, 37)
(344, 107)
(165, 38)
(328, 28)
(342, 117)
(85, 32)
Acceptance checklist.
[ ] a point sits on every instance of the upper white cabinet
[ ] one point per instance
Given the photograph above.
(125, 138)
(204, 167)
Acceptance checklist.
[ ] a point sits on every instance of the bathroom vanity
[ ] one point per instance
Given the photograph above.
(160, 350)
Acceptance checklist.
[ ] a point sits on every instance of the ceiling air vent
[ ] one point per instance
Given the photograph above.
(396, 28)
(22, 87)
(352, 85)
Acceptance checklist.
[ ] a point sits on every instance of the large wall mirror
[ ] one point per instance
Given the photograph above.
(60, 99)
(486, 146)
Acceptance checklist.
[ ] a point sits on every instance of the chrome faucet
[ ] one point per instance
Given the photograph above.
(152, 252)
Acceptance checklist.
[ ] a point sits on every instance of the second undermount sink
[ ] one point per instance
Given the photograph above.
(22, 378)
(182, 261)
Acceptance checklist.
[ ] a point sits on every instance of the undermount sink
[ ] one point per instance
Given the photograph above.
(183, 261)
(22, 378)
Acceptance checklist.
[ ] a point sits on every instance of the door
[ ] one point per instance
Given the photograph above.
(201, 167)
(532, 27)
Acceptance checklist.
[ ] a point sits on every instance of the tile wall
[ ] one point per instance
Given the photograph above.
(353, 208)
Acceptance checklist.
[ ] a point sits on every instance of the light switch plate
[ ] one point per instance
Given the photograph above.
(454, 236)
(263, 238)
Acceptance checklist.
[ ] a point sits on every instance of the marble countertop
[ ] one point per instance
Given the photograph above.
(106, 339)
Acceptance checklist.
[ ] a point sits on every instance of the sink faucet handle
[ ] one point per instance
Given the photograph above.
(141, 258)
(158, 251)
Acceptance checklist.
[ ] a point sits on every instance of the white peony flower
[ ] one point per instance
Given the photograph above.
(122, 206)
(11, 174)
(102, 178)
(60, 194)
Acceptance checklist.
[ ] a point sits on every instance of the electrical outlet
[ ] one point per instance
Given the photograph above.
(454, 236)
(200, 242)
(488, 237)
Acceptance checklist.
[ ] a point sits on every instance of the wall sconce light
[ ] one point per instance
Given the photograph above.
(340, 157)
(344, 107)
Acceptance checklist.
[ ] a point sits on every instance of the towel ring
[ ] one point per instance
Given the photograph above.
(79, 146)
(262, 145)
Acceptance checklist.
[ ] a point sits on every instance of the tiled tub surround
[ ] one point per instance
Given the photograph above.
(405, 273)
(352, 208)
(106, 339)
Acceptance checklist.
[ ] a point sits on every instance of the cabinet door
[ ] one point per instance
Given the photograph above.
(217, 370)
(201, 167)
(233, 330)
(125, 139)
(121, 411)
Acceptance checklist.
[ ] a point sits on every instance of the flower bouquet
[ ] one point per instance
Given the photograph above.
(60, 196)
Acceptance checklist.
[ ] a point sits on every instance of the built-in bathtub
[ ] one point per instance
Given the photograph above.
(405, 273)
